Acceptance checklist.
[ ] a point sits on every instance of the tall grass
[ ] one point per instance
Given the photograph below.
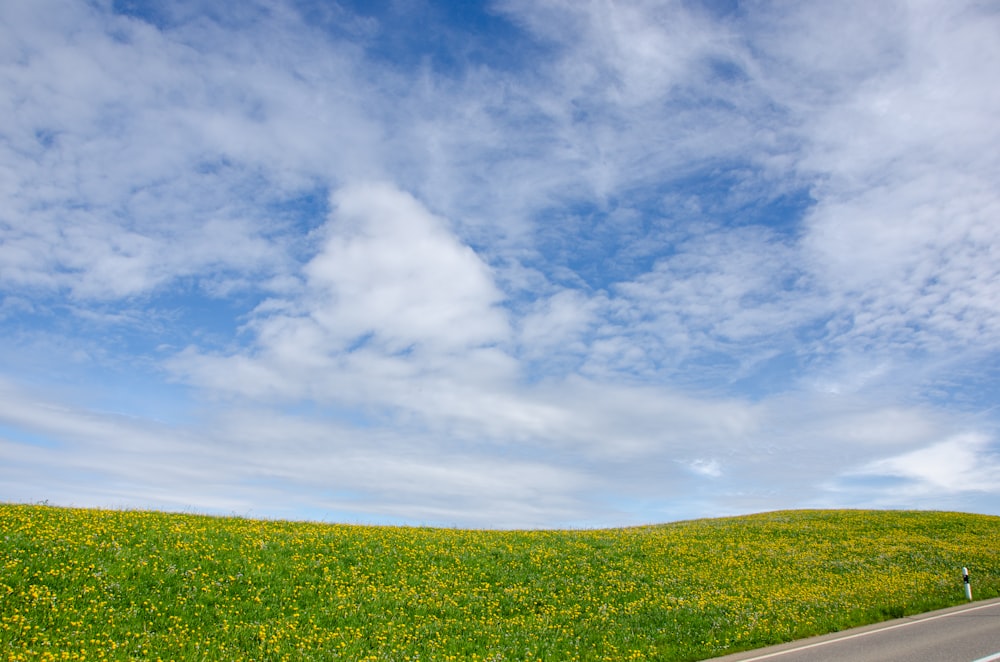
(89, 584)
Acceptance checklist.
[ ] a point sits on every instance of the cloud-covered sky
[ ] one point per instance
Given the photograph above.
(521, 263)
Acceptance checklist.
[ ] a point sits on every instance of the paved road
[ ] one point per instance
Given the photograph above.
(969, 633)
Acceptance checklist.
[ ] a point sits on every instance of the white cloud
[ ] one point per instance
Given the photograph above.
(391, 298)
(137, 156)
(391, 269)
(962, 463)
(904, 228)
(709, 468)
(100, 459)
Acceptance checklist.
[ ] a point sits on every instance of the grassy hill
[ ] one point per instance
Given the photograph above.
(89, 584)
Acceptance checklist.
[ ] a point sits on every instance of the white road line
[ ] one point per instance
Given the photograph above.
(916, 620)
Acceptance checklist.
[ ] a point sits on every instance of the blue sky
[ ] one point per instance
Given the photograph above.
(525, 263)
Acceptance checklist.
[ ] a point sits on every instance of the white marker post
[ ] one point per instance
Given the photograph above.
(968, 586)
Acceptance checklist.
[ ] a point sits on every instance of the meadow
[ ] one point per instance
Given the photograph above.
(113, 585)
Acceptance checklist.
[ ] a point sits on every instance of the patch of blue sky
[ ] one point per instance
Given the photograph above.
(815, 333)
(707, 370)
(121, 345)
(621, 238)
(738, 192)
(188, 313)
(169, 15)
(874, 482)
(780, 373)
(360, 342)
(248, 184)
(191, 316)
(300, 214)
(541, 369)
(141, 395)
(970, 385)
(152, 12)
(598, 248)
(726, 70)
(355, 417)
(448, 37)
(22, 436)
(604, 243)
(782, 213)
(96, 369)
(213, 165)
(46, 137)
(720, 9)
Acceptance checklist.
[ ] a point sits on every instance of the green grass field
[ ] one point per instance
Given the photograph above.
(89, 584)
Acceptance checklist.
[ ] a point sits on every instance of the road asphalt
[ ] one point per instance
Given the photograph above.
(967, 633)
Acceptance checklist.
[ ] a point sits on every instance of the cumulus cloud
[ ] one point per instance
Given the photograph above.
(391, 269)
(390, 296)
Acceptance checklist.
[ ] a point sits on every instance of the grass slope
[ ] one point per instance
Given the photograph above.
(89, 584)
